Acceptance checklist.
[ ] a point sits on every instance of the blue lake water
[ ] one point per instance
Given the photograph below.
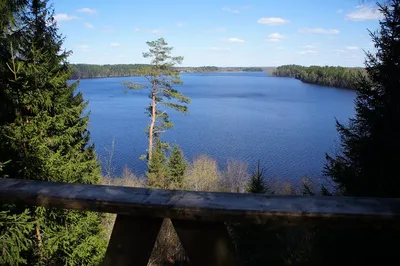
(286, 124)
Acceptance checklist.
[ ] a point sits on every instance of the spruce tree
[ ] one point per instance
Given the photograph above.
(177, 166)
(256, 183)
(44, 136)
(157, 171)
(368, 164)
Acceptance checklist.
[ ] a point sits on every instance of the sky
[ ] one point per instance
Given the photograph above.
(219, 33)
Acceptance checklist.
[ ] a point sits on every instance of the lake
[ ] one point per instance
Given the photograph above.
(286, 124)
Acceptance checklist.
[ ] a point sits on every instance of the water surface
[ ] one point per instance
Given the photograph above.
(286, 124)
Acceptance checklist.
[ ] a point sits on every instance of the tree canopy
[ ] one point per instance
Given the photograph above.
(161, 76)
(368, 163)
(340, 77)
(44, 136)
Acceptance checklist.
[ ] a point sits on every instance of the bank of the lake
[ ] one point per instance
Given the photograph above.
(248, 116)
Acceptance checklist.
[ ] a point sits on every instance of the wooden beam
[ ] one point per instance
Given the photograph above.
(206, 206)
(206, 243)
(132, 241)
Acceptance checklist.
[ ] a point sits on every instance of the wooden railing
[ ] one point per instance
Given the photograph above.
(198, 217)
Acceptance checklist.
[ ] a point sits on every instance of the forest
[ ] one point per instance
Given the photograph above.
(339, 77)
(44, 136)
(103, 71)
(128, 70)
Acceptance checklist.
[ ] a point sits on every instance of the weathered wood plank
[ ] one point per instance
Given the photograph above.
(132, 240)
(206, 243)
(187, 205)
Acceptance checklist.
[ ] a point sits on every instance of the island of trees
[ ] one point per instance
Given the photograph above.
(44, 135)
(340, 77)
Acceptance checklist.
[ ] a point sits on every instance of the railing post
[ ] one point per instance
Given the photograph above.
(206, 243)
(132, 240)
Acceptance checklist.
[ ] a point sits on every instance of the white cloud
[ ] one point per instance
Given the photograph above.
(230, 10)
(340, 11)
(63, 17)
(88, 25)
(234, 40)
(353, 48)
(179, 25)
(136, 29)
(309, 46)
(318, 31)
(220, 49)
(273, 21)
(365, 13)
(275, 37)
(279, 48)
(87, 10)
(115, 44)
(158, 31)
(309, 52)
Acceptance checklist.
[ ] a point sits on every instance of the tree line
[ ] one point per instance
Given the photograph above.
(339, 77)
(87, 71)
(44, 136)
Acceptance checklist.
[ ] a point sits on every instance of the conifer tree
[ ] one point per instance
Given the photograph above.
(157, 171)
(44, 136)
(177, 166)
(257, 184)
(368, 164)
(161, 77)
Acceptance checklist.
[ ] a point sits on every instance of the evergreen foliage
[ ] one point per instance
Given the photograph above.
(340, 77)
(14, 236)
(161, 76)
(8, 8)
(252, 69)
(257, 184)
(177, 166)
(101, 71)
(370, 143)
(44, 136)
(157, 171)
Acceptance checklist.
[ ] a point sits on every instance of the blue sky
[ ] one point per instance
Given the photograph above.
(219, 33)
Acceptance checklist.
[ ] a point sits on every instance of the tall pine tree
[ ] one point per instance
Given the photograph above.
(44, 136)
(368, 165)
(161, 76)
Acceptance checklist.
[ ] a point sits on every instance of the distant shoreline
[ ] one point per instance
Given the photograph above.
(204, 72)
(86, 71)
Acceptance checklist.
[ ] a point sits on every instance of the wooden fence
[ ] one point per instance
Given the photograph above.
(198, 217)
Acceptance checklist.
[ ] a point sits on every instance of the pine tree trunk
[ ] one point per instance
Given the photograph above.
(153, 119)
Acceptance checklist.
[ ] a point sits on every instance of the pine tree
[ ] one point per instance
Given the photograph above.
(368, 164)
(161, 76)
(176, 168)
(44, 136)
(257, 184)
(157, 172)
